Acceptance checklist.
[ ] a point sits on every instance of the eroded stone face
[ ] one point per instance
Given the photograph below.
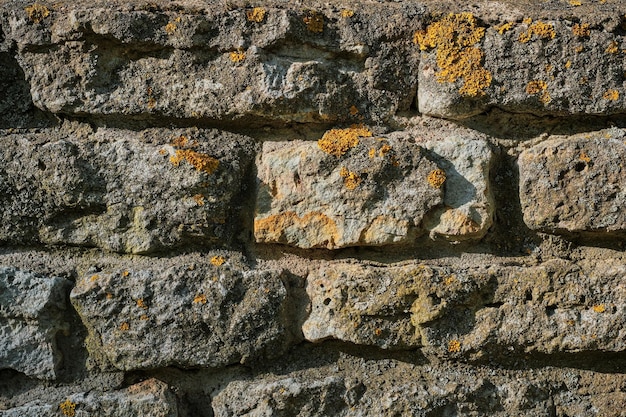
(370, 191)
(148, 398)
(575, 184)
(125, 191)
(186, 316)
(32, 313)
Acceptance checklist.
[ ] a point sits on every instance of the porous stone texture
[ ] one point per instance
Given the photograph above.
(197, 315)
(121, 190)
(575, 184)
(32, 313)
(376, 193)
(148, 398)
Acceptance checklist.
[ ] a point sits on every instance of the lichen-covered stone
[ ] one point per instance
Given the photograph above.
(575, 185)
(149, 398)
(185, 316)
(543, 67)
(373, 191)
(32, 313)
(120, 190)
(215, 63)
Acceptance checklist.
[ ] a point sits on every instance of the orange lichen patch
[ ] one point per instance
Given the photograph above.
(170, 28)
(453, 37)
(347, 13)
(539, 86)
(449, 279)
(613, 48)
(162, 152)
(314, 22)
(372, 153)
(338, 141)
(181, 141)
(581, 30)
(568, 64)
(109, 296)
(504, 27)
(599, 308)
(273, 228)
(548, 68)
(151, 102)
(199, 199)
(68, 408)
(540, 30)
(200, 161)
(436, 178)
(575, 3)
(384, 150)
(200, 299)
(125, 327)
(141, 303)
(125, 274)
(353, 110)
(237, 56)
(611, 95)
(218, 260)
(144, 317)
(378, 331)
(584, 157)
(350, 179)
(256, 15)
(454, 346)
(527, 21)
(93, 278)
(579, 49)
(37, 12)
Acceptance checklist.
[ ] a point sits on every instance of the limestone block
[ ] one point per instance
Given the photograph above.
(32, 309)
(575, 184)
(186, 316)
(148, 398)
(124, 191)
(344, 191)
(543, 67)
(284, 63)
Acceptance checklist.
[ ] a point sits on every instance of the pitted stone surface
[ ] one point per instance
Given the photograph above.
(575, 184)
(185, 316)
(32, 313)
(149, 398)
(120, 190)
(376, 193)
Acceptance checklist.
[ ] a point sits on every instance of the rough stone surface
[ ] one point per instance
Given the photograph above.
(575, 184)
(32, 312)
(199, 315)
(121, 190)
(150, 398)
(375, 194)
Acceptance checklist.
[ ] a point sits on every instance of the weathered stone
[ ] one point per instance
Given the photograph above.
(31, 314)
(185, 316)
(288, 65)
(575, 184)
(344, 191)
(124, 191)
(148, 398)
(543, 67)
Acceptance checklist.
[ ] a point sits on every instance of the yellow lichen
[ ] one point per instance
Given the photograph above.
(549, 68)
(611, 95)
(351, 180)
(273, 228)
(125, 274)
(353, 110)
(540, 30)
(256, 15)
(449, 279)
(579, 49)
(584, 157)
(200, 299)
(109, 296)
(93, 278)
(454, 346)
(384, 150)
(527, 21)
(599, 308)
(575, 2)
(200, 161)
(125, 326)
(504, 27)
(151, 102)
(237, 56)
(170, 28)
(436, 178)
(337, 142)
(372, 153)
(581, 30)
(68, 408)
(314, 22)
(144, 317)
(347, 13)
(37, 12)
(181, 141)
(454, 37)
(568, 64)
(378, 332)
(141, 303)
(539, 86)
(218, 260)
(612, 48)
(199, 199)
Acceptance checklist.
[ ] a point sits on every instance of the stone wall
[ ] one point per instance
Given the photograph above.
(218, 208)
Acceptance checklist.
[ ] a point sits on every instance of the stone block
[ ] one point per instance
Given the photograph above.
(575, 185)
(124, 191)
(32, 313)
(201, 315)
